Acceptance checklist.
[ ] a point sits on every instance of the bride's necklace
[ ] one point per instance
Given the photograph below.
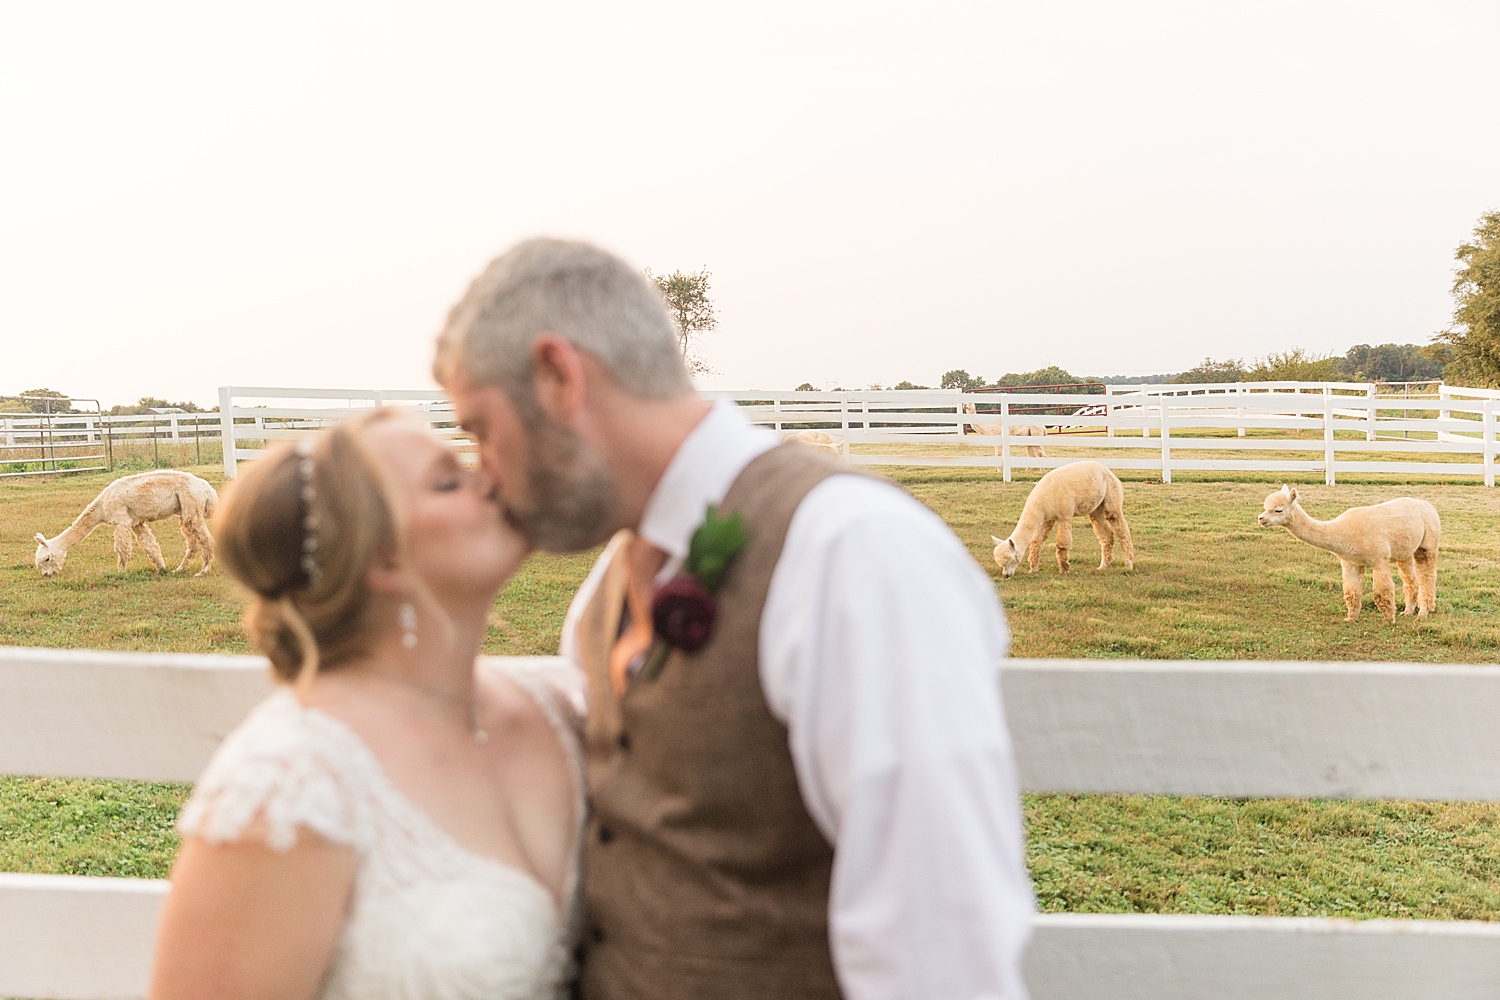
(466, 705)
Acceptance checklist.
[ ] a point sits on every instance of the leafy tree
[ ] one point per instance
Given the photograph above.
(960, 379)
(692, 312)
(1296, 365)
(59, 404)
(1474, 336)
(805, 387)
(1391, 363)
(1228, 370)
(1049, 375)
(903, 384)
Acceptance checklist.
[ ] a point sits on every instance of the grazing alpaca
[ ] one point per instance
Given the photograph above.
(817, 439)
(1016, 430)
(128, 504)
(1080, 488)
(1403, 531)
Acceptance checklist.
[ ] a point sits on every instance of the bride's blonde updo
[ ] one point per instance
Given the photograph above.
(306, 614)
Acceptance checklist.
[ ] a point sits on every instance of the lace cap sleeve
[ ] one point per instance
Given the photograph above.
(284, 768)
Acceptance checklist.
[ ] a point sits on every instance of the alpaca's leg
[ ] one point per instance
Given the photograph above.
(1385, 589)
(1354, 588)
(1064, 543)
(1106, 536)
(153, 548)
(998, 468)
(1426, 560)
(1122, 535)
(1409, 589)
(1034, 553)
(123, 546)
(203, 544)
(189, 543)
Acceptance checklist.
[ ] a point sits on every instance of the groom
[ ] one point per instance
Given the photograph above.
(820, 799)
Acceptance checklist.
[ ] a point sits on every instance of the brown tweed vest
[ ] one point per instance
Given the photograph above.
(704, 876)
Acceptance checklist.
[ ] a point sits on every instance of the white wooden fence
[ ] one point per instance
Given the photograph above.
(1281, 428)
(1357, 730)
(261, 414)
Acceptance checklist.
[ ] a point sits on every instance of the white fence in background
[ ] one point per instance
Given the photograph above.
(1330, 428)
(264, 414)
(34, 444)
(1355, 730)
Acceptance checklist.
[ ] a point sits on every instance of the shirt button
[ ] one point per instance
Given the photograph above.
(596, 934)
(624, 741)
(606, 835)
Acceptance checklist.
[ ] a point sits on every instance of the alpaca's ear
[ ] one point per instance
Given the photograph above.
(1291, 494)
(41, 538)
(997, 541)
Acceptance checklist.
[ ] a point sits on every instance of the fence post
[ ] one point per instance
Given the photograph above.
(1487, 423)
(1327, 436)
(226, 432)
(1004, 439)
(1370, 407)
(1443, 396)
(844, 419)
(1166, 442)
(1146, 413)
(776, 408)
(1239, 411)
(1109, 415)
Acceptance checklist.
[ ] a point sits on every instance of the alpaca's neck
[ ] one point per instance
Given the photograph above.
(1025, 528)
(1312, 531)
(78, 530)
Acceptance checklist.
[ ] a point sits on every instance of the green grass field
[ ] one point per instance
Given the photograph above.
(1208, 583)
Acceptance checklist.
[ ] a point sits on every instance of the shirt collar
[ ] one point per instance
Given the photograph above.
(700, 473)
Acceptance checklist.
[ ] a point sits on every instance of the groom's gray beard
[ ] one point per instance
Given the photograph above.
(572, 498)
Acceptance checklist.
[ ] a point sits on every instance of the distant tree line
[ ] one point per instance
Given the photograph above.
(52, 401)
(1361, 363)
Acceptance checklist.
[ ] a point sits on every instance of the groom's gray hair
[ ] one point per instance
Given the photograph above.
(581, 293)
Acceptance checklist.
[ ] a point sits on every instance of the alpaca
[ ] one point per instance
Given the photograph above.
(1404, 531)
(128, 504)
(1016, 430)
(1068, 491)
(817, 439)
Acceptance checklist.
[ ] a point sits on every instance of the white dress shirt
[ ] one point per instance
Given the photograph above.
(880, 648)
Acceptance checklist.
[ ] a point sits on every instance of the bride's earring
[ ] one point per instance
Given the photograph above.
(408, 618)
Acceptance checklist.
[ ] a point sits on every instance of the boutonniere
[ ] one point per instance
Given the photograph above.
(684, 610)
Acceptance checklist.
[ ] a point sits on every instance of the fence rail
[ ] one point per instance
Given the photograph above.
(1327, 428)
(1358, 730)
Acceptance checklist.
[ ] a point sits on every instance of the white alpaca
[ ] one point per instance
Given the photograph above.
(821, 440)
(128, 504)
(1404, 531)
(1016, 430)
(1069, 491)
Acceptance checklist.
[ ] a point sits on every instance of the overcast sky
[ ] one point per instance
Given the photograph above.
(294, 194)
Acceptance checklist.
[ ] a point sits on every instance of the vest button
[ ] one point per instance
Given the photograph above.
(596, 934)
(606, 835)
(624, 741)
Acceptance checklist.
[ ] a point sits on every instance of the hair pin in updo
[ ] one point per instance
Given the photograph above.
(310, 521)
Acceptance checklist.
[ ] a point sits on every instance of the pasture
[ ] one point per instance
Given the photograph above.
(1208, 583)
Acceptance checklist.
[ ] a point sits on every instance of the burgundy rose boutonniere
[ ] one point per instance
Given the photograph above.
(684, 610)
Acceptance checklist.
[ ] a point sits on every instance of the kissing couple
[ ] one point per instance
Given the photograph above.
(771, 762)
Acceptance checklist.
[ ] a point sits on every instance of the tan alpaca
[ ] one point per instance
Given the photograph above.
(1016, 430)
(1069, 491)
(817, 439)
(128, 504)
(1404, 531)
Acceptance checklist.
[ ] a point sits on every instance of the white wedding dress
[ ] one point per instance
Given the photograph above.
(428, 919)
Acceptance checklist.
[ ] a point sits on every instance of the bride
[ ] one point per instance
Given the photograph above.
(394, 822)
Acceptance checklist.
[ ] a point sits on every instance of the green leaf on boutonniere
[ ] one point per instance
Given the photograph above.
(715, 544)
